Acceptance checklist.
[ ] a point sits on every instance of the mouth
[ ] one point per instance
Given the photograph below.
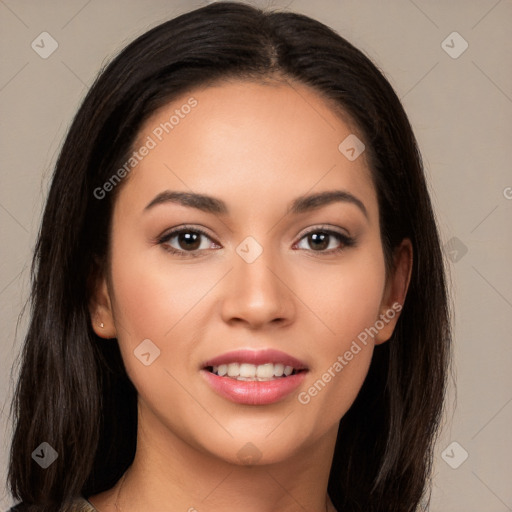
(254, 377)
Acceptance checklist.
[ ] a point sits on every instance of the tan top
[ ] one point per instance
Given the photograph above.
(79, 505)
(82, 505)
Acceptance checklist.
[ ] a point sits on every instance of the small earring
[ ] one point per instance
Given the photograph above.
(102, 325)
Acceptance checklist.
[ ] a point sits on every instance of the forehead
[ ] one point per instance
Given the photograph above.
(248, 141)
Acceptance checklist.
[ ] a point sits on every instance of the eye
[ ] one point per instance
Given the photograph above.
(186, 241)
(325, 241)
(191, 241)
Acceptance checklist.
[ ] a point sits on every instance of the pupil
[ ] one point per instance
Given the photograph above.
(319, 240)
(189, 241)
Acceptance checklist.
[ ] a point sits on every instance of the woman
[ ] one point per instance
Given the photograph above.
(238, 284)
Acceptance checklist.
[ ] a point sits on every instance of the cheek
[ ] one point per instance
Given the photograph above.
(156, 302)
(162, 302)
(153, 294)
(346, 298)
(349, 307)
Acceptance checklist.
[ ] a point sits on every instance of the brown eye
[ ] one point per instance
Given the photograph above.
(319, 241)
(189, 241)
(186, 242)
(325, 241)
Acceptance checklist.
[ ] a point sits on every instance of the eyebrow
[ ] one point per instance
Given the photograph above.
(299, 205)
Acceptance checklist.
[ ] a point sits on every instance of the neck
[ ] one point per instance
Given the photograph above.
(169, 474)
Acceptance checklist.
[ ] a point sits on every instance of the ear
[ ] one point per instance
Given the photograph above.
(395, 290)
(100, 307)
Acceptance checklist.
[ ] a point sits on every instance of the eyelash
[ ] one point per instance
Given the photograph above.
(346, 241)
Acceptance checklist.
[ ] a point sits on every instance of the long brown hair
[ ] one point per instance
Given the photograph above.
(73, 391)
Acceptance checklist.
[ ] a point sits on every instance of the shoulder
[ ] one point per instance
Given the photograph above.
(78, 505)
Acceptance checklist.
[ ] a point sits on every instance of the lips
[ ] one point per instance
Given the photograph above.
(254, 377)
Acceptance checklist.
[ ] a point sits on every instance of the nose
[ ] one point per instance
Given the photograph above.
(257, 294)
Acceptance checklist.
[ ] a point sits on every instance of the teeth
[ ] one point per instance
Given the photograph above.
(278, 370)
(233, 370)
(265, 371)
(246, 371)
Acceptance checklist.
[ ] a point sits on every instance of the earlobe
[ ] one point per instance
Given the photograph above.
(395, 291)
(100, 309)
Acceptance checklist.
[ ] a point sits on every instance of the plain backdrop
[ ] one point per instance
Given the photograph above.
(459, 101)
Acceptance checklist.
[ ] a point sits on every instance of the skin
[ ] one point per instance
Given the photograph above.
(257, 147)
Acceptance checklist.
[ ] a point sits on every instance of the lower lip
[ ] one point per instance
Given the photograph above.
(254, 392)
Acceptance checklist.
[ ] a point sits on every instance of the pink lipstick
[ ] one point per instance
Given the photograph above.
(254, 377)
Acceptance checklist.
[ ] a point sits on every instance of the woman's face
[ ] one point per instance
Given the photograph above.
(278, 249)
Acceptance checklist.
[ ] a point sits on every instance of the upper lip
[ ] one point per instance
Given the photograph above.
(256, 357)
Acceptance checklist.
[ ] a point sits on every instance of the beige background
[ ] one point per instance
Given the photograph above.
(460, 108)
